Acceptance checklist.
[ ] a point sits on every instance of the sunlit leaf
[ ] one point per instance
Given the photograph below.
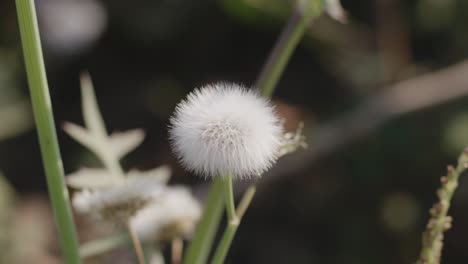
(163, 173)
(89, 178)
(82, 136)
(95, 178)
(121, 143)
(91, 114)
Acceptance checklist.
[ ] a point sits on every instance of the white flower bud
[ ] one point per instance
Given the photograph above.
(225, 129)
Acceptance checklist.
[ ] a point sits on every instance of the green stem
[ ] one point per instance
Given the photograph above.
(229, 198)
(199, 249)
(46, 129)
(432, 242)
(245, 201)
(286, 44)
(232, 225)
(225, 244)
(102, 245)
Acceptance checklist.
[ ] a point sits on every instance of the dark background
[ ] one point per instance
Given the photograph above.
(365, 201)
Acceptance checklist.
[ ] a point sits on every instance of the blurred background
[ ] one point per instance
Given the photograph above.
(384, 99)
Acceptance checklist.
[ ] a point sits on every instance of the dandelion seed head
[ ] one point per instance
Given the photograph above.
(225, 128)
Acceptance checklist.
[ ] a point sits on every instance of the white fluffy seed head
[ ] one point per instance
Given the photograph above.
(225, 129)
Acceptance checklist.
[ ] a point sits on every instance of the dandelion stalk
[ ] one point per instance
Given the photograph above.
(46, 129)
(432, 242)
(229, 199)
(199, 249)
(245, 201)
(232, 225)
(226, 240)
(234, 219)
(286, 44)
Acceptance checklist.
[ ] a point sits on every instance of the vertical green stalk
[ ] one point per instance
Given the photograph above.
(199, 248)
(232, 225)
(225, 244)
(286, 44)
(433, 237)
(229, 199)
(42, 108)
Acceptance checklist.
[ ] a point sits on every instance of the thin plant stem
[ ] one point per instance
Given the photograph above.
(199, 248)
(245, 201)
(433, 237)
(229, 199)
(234, 218)
(105, 244)
(225, 243)
(177, 249)
(43, 115)
(286, 44)
(136, 244)
(232, 225)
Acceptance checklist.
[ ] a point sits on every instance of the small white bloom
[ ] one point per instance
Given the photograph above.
(173, 214)
(120, 202)
(224, 128)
